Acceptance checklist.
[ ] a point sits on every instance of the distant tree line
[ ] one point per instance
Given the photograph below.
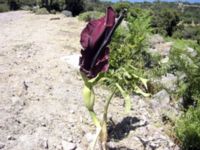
(75, 6)
(169, 19)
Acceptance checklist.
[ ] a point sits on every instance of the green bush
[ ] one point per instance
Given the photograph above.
(90, 5)
(27, 2)
(188, 32)
(187, 62)
(75, 6)
(128, 48)
(41, 11)
(188, 129)
(122, 5)
(4, 7)
(165, 21)
(90, 15)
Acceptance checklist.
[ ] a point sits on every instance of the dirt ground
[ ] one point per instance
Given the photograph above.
(41, 104)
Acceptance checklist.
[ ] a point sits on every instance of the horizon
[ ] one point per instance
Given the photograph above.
(190, 1)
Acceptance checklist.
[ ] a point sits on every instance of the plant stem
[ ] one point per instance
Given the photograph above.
(107, 105)
(95, 119)
(104, 134)
(98, 128)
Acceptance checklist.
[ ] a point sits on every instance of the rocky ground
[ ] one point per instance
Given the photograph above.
(41, 105)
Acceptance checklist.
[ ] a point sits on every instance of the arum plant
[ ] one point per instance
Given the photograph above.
(94, 60)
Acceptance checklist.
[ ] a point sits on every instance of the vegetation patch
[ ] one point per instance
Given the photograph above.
(90, 15)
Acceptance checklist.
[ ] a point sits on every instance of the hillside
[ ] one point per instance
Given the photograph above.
(41, 104)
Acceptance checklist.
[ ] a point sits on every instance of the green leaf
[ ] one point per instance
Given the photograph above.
(139, 91)
(143, 80)
(126, 98)
(93, 81)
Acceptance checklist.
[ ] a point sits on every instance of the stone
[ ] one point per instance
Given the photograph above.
(25, 7)
(17, 101)
(68, 145)
(79, 148)
(192, 52)
(159, 46)
(164, 60)
(67, 13)
(156, 39)
(11, 138)
(41, 11)
(160, 99)
(89, 137)
(72, 111)
(2, 145)
(181, 76)
(168, 82)
(44, 143)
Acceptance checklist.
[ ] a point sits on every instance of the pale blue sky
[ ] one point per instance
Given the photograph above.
(192, 1)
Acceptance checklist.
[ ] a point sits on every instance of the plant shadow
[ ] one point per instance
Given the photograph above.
(120, 130)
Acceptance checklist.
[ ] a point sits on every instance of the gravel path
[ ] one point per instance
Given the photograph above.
(40, 91)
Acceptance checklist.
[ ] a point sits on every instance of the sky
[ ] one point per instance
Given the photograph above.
(191, 1)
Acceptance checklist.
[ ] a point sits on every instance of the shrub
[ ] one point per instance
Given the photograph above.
(95, 5)
(90, 15)
(4, 7)
(187, 61)
(14, 5)
(27, 2)
(188, 32)
(127, 53)
(188, 129)
(165, 21)
(122, 5)
(25, 7)
(41, 11)
(75, 6)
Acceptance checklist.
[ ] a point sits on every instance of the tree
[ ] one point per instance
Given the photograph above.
(165, 21)
(75, 6)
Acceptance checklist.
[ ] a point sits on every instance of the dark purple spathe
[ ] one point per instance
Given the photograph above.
(94, 39)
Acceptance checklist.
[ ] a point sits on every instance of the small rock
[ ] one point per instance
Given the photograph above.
(67, 13)
(192, 52)
(68, 145)
(2, 145)
(44, 144)
(154, 145)
(25, 85)
(164, 60)
(181, 76)
(89, 137)
(58, 147)
(160, 99)
(11, 138)
(169, 82)
(25, 7)
(70, 139)
(79, 148)
(17, 101)
(159, 46)
(171, 144)
(72, 111)
(43, 124)
(156, 39)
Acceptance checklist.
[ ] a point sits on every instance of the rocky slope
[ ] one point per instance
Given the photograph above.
(40, 92)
